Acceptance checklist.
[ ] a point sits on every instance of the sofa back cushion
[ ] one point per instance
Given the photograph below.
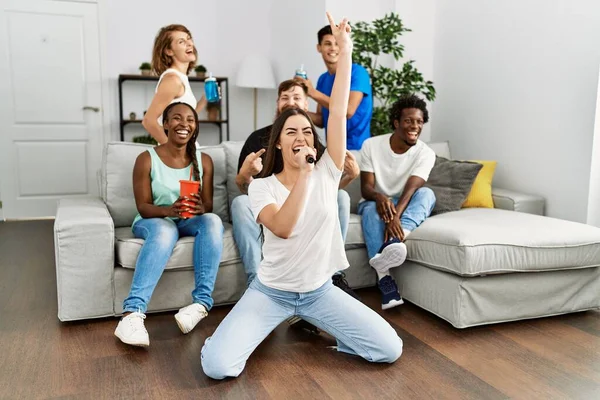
(451, 181)
(232, 153)
(117, 182)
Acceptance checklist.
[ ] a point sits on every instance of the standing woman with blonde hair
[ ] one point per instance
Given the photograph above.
(173, 57)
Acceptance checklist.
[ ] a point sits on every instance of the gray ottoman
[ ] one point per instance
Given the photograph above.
(481, 266)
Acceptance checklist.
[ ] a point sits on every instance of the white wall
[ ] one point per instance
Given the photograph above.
(517, 83)
(244, 28)
(419, 16)
(593, 210)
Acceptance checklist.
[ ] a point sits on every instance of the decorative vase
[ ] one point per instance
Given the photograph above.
(132, 116)
(201, 75)
(146, 72)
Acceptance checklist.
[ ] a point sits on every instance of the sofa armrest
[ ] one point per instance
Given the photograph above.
(510, 200)
(84, 248)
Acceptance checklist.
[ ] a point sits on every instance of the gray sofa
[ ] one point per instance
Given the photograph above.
(470, 267)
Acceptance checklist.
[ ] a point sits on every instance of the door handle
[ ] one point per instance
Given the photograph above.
(94, 109)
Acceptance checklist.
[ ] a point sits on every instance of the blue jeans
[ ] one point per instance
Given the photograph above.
(419, 208)
(246, 231)
(160, 236)
(357, 329)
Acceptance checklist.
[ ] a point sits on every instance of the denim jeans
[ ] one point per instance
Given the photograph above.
(419, 208)
(160, 236)
(357, 329)
(246, 231)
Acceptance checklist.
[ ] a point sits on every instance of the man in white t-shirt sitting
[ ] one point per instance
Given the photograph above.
(394, 168)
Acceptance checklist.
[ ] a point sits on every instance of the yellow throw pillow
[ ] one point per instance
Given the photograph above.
(481, 191)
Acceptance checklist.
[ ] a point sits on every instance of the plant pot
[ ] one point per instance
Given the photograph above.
(201, 75)
(213, 113)
(146, 72)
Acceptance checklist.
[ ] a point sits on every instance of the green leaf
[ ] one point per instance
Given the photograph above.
(381, 37)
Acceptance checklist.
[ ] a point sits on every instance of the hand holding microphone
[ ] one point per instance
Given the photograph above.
(306, 157)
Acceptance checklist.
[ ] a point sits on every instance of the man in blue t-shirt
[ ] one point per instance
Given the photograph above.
(360, 104)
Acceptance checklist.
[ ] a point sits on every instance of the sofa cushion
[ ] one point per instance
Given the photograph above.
(220, 197)
(481, 191)
(232, 153)
(117, 186)
(479, 241)
(128, 249)
(117, 167)
(354, 237)
(451, 181)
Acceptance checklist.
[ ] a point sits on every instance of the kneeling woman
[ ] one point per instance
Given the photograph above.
(156, 176)
(296, 202)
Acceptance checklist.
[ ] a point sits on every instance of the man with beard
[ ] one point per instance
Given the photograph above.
(246, 232)
(394, 168)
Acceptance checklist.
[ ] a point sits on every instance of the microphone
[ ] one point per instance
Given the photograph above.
(310, 159)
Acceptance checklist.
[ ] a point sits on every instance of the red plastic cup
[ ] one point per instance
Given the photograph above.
(186, 188)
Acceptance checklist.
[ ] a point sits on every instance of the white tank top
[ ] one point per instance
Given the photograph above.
(187, 96)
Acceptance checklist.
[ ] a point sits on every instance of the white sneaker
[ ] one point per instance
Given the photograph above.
(188, 317)
(391, 255)
(131, 330)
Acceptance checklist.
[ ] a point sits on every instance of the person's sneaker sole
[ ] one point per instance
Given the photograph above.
(180, 325)
(392, 304)
(144, 343)
(391, 256)
(182, 328)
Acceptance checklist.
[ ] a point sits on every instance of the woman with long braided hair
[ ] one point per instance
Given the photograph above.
(161, 222)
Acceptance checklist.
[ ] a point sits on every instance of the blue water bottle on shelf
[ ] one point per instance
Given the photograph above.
(301, 72)
(210, 89)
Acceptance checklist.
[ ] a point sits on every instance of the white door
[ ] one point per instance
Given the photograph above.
(50, 96)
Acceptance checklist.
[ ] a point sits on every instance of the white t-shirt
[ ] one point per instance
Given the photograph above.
(393, 170)
(314, 251)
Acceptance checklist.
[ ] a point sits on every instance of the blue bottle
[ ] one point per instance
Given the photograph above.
(210, 89)
(301, 72)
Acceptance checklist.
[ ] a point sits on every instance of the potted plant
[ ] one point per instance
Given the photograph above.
(212, 110)
(146, 68)
(200, 71)
(372, 39)
(146, 139)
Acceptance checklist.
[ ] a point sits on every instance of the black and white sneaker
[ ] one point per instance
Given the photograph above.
(340, 281)
(391, 254)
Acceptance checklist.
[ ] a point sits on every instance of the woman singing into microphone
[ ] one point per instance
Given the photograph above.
(296, 203)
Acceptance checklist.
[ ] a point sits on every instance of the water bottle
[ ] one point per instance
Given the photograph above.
(301, 72)
(210, 89)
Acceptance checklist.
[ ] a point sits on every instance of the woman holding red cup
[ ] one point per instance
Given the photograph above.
(165, 215)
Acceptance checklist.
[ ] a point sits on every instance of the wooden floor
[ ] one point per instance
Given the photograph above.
(549, 358)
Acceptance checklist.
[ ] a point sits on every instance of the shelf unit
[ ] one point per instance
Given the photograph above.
(221, 123)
